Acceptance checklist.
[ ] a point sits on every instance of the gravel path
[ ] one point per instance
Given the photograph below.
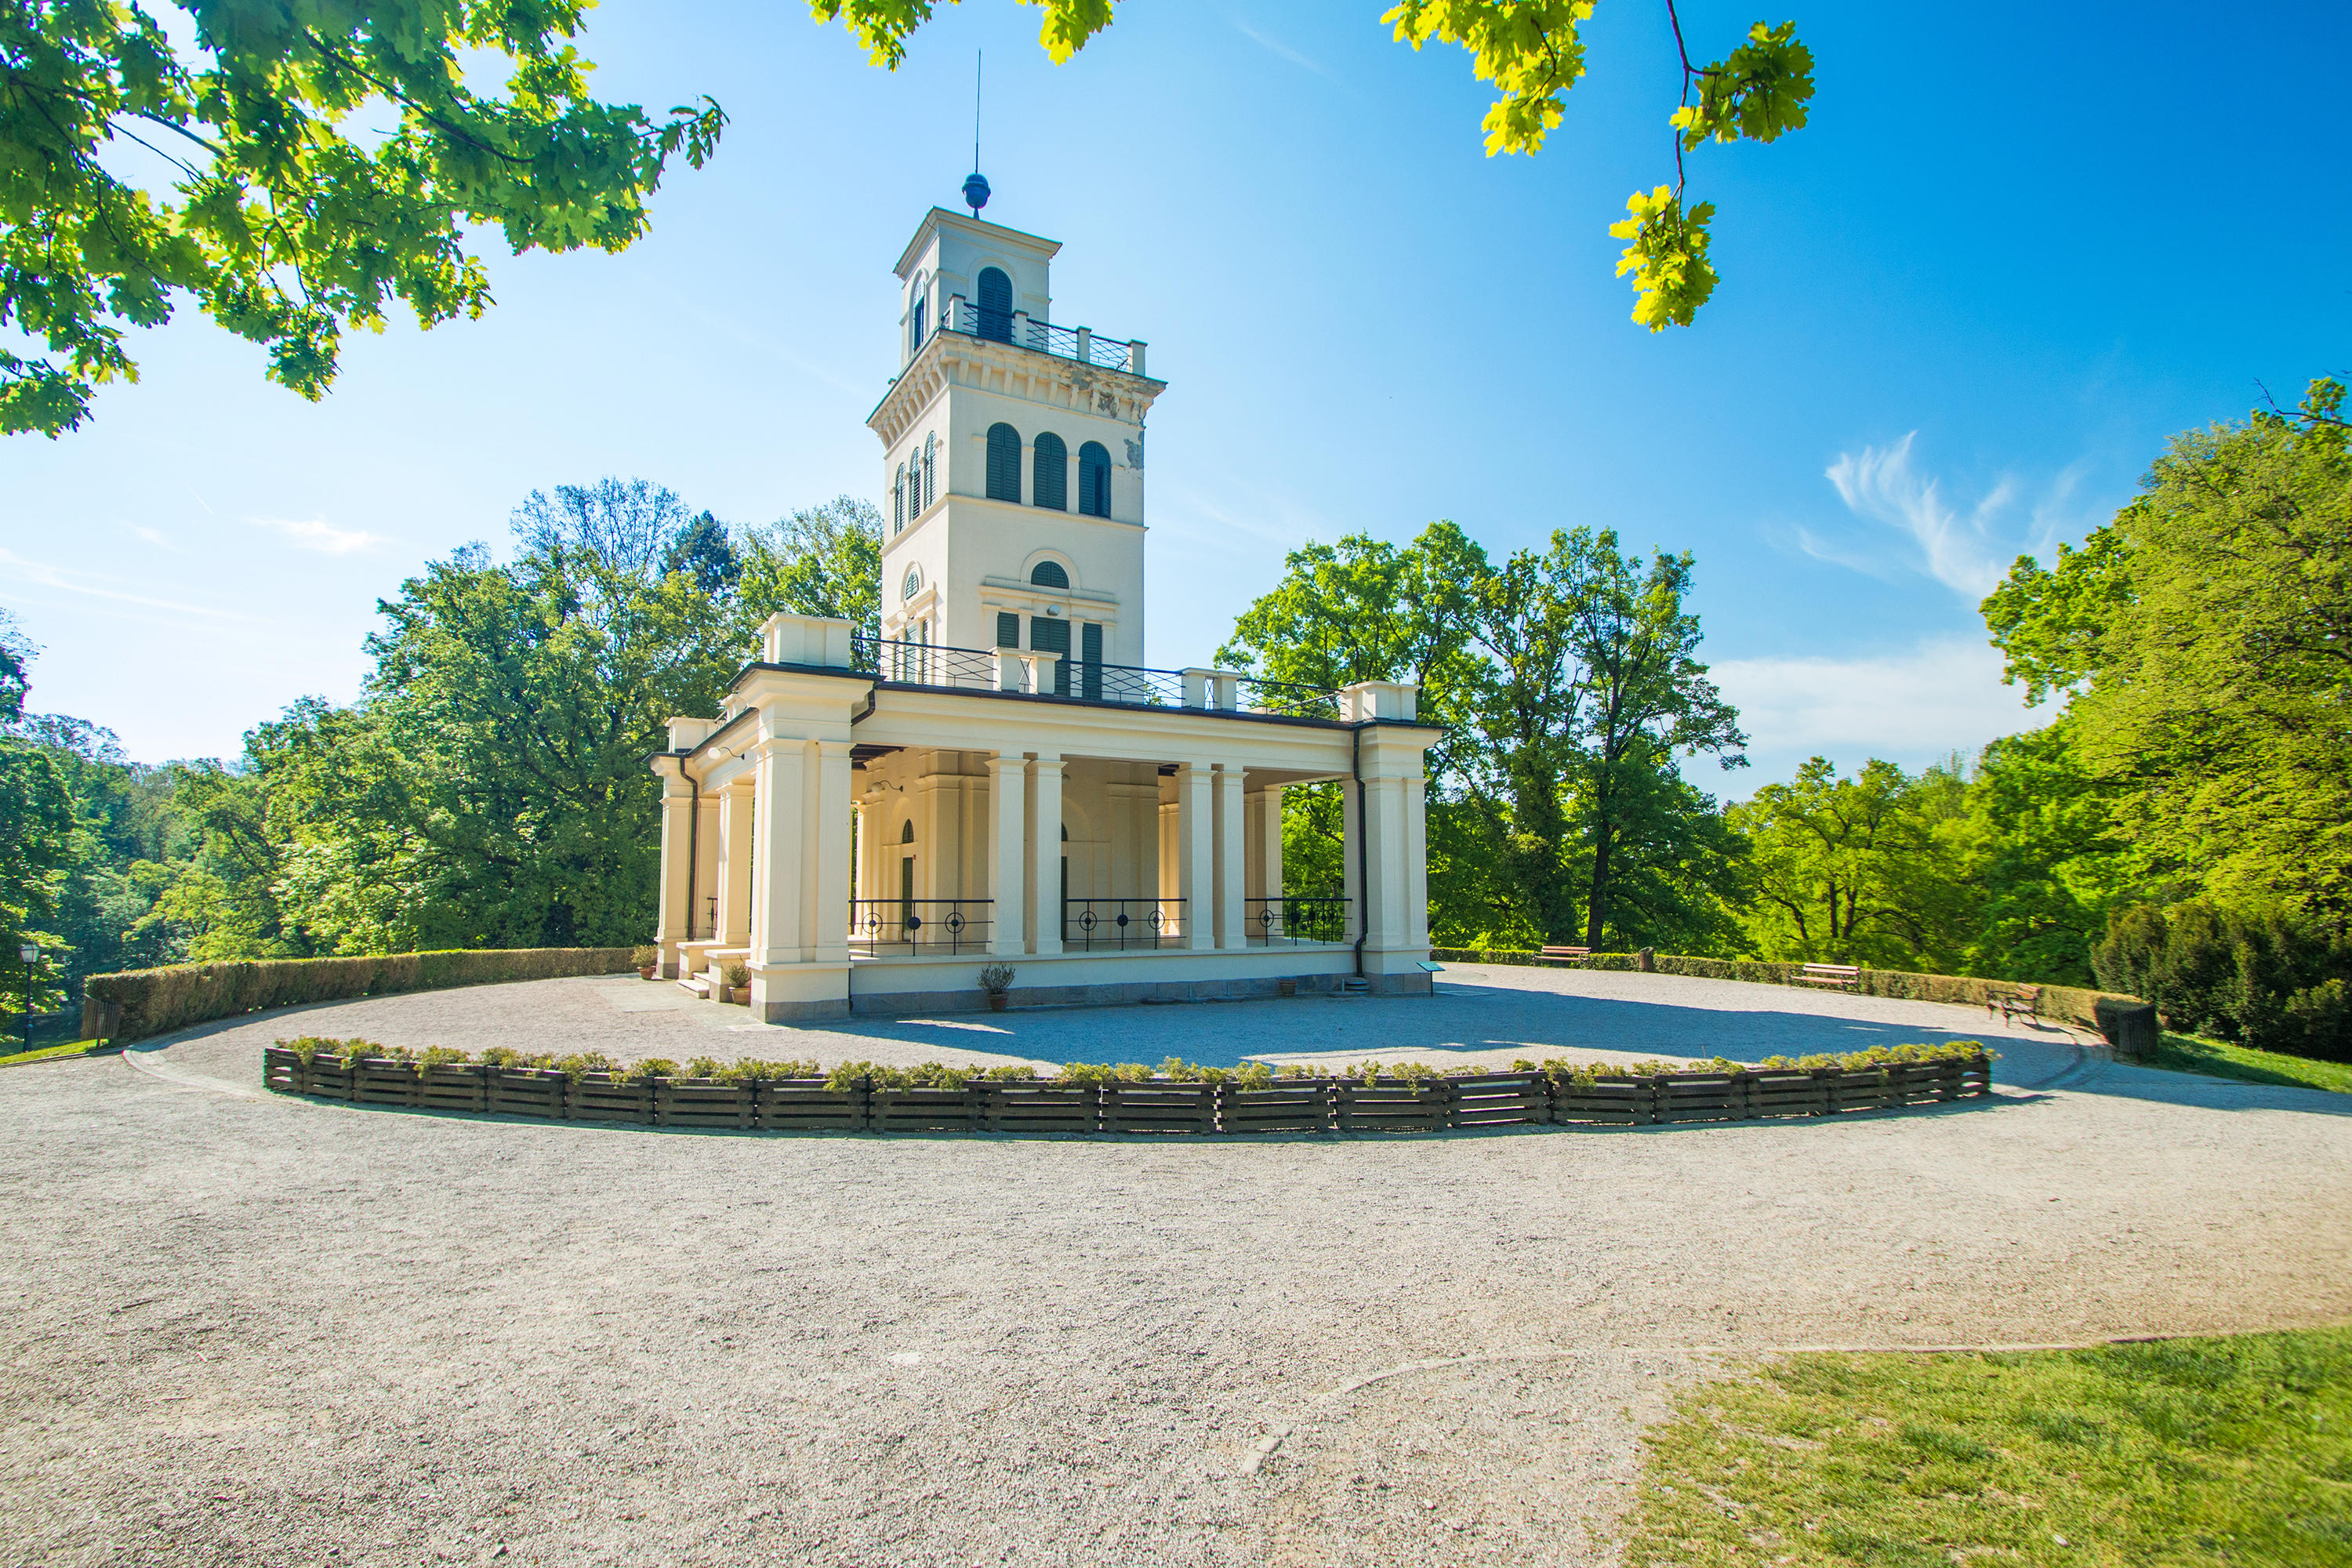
(253, 1330)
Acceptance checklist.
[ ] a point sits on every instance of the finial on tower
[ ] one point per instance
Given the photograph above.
(975, 185)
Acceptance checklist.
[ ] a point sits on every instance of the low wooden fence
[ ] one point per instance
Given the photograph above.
(1159, 1105)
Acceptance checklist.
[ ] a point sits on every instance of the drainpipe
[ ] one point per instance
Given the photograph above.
(1363, 832)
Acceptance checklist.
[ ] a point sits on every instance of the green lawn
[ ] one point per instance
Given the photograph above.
(48, 1053)
(2217, 1058)
(2234, 1450)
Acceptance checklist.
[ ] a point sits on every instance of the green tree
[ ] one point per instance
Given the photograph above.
(2204, 641)
(286, 223)
(2042, 845)
(821, 560)
(1861, 871)
(1533, 52)
(37, 839)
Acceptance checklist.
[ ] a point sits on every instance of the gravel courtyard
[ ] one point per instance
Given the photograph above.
(254, 1329)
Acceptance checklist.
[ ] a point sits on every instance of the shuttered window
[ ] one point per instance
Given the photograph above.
(1094, 479)
(1003, 463)
(1052, 485)
(1052, 635)
(898, 501)
(930, 452)
(1008, 629)
(1049, 575)
(995, 305)
(1090, 660)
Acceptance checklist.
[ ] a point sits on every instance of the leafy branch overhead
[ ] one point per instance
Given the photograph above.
(319, 160)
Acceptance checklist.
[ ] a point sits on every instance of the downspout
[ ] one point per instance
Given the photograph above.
(1363, 832)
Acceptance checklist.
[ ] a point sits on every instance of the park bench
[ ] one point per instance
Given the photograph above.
(1564, 954)
(1842, 975)
(2023, 999)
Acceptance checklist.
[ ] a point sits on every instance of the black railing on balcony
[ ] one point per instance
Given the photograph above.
(882, 927)
(1091, 925)
(1277, 923)
(1289, 697)
(1083, 680)
(1078, 343)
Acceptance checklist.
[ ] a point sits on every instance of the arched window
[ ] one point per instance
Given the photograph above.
(907, 833)
(917, 335)
(898, 499)
(930, 451)
(1052, 486)
(1003, 463)
(1094, 479)
(995, 305)
(1049, 575)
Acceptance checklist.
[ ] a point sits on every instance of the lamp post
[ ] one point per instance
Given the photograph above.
(31, 955)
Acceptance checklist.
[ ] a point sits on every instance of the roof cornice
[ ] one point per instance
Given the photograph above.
(979, 229)
(960, 358)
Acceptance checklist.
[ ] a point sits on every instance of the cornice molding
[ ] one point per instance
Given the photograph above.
(957, 358)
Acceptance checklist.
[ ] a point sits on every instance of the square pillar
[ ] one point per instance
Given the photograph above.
(780, 783)
(1416, 861)
(735, 808)
(1045, 879)
(1232, 928)
(1196, 855)
(670, 929)
(701, 916)
(1007, 810)
(1270, 826)
(826, 917)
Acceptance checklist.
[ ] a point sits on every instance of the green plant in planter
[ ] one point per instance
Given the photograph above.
(508, 1057)
(737, 975)
(647, 1070)
(580, 1064)
(996, 979)
(442, 1056)
(645, 957)
(1253, 1075)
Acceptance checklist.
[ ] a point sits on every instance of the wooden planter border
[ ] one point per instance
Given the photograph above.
(1127, 1106)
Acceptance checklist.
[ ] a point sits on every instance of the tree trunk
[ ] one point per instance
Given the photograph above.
(1596, 908)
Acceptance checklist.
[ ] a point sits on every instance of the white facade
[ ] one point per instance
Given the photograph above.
(864, 826)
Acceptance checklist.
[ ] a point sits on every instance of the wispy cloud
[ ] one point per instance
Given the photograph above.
(1908, 706)
(315, 534)
(39, 574)
(154, 536)
(1878, 483)
(1276, 46)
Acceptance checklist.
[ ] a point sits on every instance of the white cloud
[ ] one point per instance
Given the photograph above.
(322, 536)
(1908, 706)
(1276, 46)
(39, 574)
(1878, 483)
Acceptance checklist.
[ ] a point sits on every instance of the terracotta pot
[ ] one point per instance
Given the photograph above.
(996, 1001)
(649, 972)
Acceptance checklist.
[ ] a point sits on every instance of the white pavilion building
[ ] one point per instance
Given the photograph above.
(998, 779)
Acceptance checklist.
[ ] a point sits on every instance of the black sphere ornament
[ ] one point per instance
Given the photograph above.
(975, 192)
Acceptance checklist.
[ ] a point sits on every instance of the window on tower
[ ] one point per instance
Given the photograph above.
(1051, 486)
(995, 305)
(916, 335)
(1003, 463)
(1049, 575)
(1094, 479)
(931, 456)
(898, 499)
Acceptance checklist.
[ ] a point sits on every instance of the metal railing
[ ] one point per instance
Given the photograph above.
(1084, 680)
(1092, 925)
(1018, 328)
(879, 927)
(1279, 921)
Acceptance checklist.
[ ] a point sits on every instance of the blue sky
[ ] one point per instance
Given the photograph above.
(2018, 246)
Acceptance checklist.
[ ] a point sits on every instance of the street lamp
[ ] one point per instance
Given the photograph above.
(31, 955)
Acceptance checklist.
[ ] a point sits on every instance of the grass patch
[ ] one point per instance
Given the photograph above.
(49, 1053)
(2234, 1450)
(2219, 1058)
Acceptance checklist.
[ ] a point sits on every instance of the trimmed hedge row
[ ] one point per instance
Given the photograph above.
(139, 1003)
(2071, 1003)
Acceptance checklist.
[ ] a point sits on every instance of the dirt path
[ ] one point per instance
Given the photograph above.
(249, 1329)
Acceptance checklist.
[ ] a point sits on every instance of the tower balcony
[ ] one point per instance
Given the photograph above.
(1021, 330)
(1043, 673)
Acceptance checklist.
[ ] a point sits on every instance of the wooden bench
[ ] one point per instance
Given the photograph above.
(1842, 975)
(2021, 999)
(1564, 954)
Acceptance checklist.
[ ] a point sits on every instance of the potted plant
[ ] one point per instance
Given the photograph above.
(735, 984)
(648, 962)
(996, 980)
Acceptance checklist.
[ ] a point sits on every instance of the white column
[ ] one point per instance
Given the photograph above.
(677, 798)
(1232, 928)
(1196, 855)
(825, 915)
(781, 780)
(1008, 805)
(1046, 852)
(1270, 824)
(701, 920)
(1416, 861)
(734, 927)
(1385, 896)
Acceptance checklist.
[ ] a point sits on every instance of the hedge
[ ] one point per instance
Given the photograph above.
(146, 1002)
(2071, 1003)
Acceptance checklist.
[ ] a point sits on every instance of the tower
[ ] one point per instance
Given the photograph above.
(1012, 457)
